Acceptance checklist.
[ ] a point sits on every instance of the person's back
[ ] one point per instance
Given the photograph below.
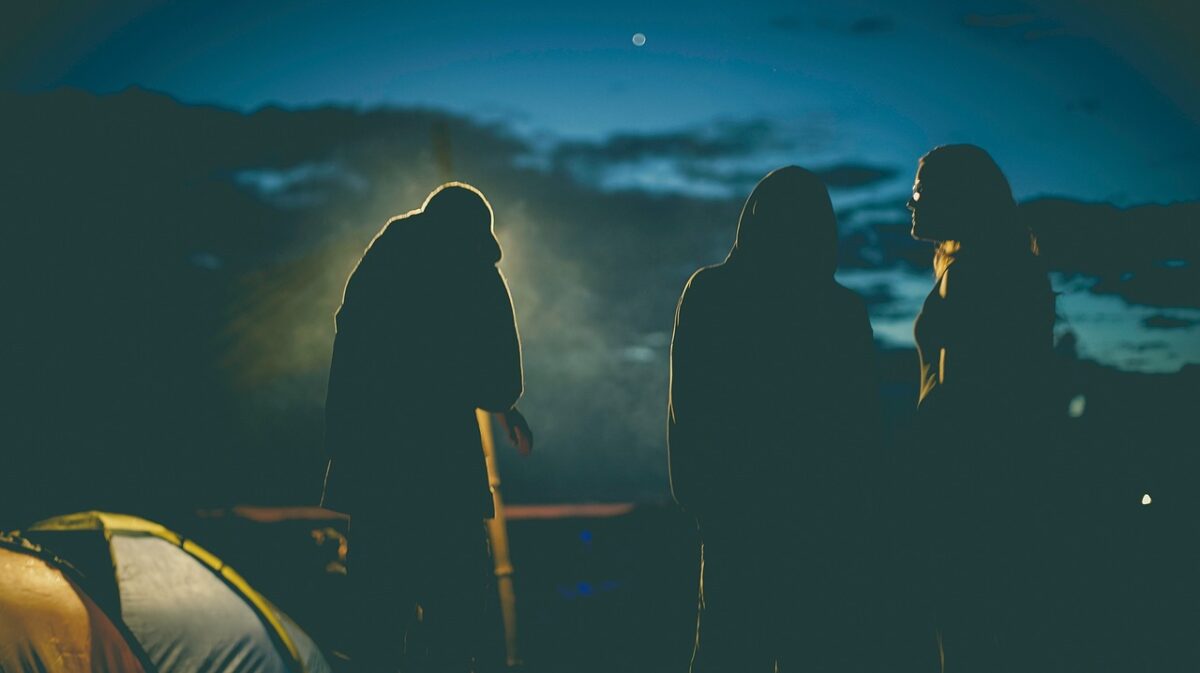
(425, 336)
(772, 417)
(780, 380)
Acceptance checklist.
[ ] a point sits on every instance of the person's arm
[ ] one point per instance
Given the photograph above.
(978, 328)
(516, 428)
(692, 418)
(501, 380)
(345, 396)
(348, 376)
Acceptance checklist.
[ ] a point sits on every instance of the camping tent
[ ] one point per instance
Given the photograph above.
(186, 610)
(47, 623)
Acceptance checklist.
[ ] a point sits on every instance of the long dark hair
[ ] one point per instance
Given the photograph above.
(974, 187)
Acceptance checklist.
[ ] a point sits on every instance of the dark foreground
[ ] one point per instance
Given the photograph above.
(609, 588)
(613, 589)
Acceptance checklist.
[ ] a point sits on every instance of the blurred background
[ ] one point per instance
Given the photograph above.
(186, 186)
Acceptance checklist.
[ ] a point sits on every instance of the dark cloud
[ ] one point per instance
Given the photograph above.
(846, 176)
(303, 186)
(719, 160)
(873, 24)
(1161, 321)
(1146, 254)
(724, 158)
(720, 140)
(1012, 20)
(877, 294)
(737, 179)
(867, 25)
(839, 176)
(1022, 26)
(1145, 346)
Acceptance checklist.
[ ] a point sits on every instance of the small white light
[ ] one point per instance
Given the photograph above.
(1077, 406)
(1146, 499)
(639, 39)
(916, 196)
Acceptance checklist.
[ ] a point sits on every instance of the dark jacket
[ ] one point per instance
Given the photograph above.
(986, 440)
(773, 405)
(985, 337)
(425, 335)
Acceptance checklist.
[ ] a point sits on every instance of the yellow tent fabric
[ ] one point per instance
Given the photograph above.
(48, 624)
(107, 522)
(123, 524)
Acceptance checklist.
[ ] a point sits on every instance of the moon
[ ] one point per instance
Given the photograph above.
(639, 39)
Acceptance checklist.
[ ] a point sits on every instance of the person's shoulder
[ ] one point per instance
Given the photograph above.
(851, 300)
(706, 279)
(984, 279)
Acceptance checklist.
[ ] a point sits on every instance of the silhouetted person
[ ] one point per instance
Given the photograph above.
(425, 335)
(772, 421)
(984, 473)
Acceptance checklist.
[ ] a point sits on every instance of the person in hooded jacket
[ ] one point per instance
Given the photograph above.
(425, 336)
(771, 431)
(986, 472)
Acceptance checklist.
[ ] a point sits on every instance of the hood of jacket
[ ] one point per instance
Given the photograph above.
(788, 226)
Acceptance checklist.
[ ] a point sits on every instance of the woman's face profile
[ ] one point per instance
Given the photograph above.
(929, 217)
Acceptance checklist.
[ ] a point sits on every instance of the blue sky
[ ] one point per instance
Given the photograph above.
(1062, 111)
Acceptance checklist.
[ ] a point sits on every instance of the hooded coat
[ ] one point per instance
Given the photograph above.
(771, 434)
(772, 397)
(425, 335)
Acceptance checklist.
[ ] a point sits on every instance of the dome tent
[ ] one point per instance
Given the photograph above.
(185, 608)
(48, 623)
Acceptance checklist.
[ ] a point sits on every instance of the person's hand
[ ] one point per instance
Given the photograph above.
(517, 429)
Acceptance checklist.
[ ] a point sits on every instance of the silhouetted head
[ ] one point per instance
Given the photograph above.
(457, 219)
(450, 232)
(960, 194)
(788, 225)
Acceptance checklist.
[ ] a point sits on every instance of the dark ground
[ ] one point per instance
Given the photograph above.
(608, 593)
(618, 594)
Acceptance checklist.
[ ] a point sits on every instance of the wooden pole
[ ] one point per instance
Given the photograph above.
(498, 532)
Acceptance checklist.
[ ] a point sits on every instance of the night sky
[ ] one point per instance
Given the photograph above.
(1095, 105)
(1047, 92)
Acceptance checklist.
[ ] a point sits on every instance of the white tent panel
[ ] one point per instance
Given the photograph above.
(187, 619)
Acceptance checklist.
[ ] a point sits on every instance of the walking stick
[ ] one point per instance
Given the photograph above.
(498, 533)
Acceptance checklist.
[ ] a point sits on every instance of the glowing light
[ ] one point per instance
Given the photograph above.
(916, 196)
(1077, 406)
(639, 39)
(1146, 499)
